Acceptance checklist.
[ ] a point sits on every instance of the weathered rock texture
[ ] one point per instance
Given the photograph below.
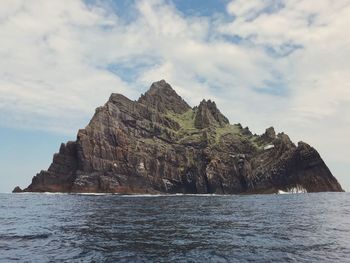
(159, 144)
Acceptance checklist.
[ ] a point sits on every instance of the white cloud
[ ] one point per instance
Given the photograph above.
(287, 65)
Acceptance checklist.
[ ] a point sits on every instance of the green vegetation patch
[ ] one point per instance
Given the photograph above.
(188, 133)
(227, 129)
(236, 131)
(185, 120)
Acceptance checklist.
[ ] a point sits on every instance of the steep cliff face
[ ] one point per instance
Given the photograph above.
(159, 144)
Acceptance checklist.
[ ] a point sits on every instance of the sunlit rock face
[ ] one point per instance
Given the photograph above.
(159, 144)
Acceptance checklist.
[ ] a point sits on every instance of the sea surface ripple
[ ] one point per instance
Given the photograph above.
(181, 228)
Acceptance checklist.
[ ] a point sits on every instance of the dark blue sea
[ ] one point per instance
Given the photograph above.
(114, 228)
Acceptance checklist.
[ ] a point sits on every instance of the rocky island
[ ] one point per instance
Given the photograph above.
(159, 144)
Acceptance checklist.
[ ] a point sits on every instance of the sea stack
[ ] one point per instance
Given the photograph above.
(159, 144)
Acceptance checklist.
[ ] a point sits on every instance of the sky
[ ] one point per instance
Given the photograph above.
(281, 63)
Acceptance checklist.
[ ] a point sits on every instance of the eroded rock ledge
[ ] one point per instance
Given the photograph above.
(159, 144)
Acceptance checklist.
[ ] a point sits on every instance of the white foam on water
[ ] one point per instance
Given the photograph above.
(60, 193)
(55, 193)
(142, 195)
(41, 193)
(91, 194)
(294, 190)
(203, 194)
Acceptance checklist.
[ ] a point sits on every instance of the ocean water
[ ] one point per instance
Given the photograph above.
(114, 228)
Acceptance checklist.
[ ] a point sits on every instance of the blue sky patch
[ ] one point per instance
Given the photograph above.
(283, 50)
(129, 71)
(200, 7)
(275, 87)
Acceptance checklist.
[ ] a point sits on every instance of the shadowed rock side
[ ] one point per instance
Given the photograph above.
(159, 144)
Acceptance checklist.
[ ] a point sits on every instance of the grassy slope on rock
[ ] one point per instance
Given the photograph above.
(189, 133)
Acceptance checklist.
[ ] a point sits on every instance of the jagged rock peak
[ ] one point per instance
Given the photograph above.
(118, 98)
(207, 114)
(285, 139)
(246, 131)
(162, 97)
(269, 134)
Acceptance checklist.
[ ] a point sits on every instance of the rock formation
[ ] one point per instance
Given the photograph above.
(17, 190)
(159, 144)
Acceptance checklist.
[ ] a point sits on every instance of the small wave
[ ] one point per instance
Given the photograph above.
(26, 237)
(169, 195)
